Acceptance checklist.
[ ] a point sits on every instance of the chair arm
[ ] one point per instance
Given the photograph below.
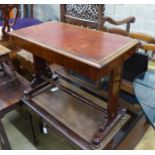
(130, 19)
(141, 36)
(117, 31)
(148, 47)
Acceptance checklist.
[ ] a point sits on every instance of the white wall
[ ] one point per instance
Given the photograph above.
(47, 12)
(144, 13)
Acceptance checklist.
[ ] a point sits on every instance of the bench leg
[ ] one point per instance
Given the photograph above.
(3, 138)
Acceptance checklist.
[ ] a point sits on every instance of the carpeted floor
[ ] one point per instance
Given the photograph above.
(20, 135)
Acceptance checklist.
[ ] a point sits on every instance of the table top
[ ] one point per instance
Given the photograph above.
(92, 47)
(144, 86)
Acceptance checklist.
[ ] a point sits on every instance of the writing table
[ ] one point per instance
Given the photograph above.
(89, 52)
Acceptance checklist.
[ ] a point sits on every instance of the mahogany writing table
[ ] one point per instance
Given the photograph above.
(89, 52)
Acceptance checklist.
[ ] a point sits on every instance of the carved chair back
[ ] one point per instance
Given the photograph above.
(87, 15)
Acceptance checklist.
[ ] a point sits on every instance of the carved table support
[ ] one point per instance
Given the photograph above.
(114, 112)
(41, 71)
(40, 68)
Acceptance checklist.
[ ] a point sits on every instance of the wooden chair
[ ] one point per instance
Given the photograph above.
(147, 46)
(92, 16)
(147, 61)
(150, 50)
(147, 42)
(15, 22)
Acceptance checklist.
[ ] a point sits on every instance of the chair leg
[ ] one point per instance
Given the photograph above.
(3, 138)
(35, 140)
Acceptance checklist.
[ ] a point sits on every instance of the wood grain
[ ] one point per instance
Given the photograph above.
(89, 46)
